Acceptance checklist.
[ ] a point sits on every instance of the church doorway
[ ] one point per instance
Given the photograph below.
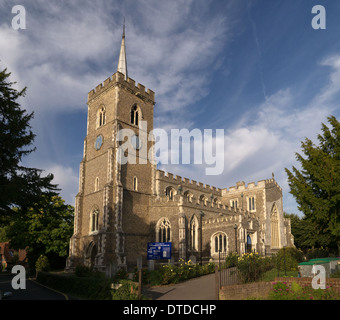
(91, 253)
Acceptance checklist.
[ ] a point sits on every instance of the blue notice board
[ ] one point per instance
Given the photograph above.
(159, 250)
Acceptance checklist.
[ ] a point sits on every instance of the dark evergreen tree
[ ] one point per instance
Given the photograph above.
(316, 187)
(19, 186)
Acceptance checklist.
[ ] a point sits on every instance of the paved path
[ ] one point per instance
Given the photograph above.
(201, 288)
(33, 291)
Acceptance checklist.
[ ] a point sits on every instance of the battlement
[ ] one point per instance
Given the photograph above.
(208, 207)
(241, 186)
(118, 79)
(234, 218)
(185, 182)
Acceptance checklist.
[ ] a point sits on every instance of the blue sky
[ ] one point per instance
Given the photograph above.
(255, 68)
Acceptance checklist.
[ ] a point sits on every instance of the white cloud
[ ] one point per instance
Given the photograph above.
(266, 139)
(67, 181)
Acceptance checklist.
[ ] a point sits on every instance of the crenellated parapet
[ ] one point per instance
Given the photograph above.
(185, 182)
(241, 186)
(211, 209)
(118, 79)
(233, 218)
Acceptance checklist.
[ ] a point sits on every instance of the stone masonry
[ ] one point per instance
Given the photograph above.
(121, 207)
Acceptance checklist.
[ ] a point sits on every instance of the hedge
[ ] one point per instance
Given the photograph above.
(83, 287)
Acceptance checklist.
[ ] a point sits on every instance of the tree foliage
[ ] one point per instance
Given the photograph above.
(45, 228)
(32, 215)
(19, 186)
(316, 186)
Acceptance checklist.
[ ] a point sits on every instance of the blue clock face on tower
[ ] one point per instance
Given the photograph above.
(99, 142)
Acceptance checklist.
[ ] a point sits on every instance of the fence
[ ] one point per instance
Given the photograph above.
(228, 273)
(228, 276)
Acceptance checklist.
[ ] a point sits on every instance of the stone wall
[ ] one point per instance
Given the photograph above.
(262, 289)
(245, 291)
(332, 282)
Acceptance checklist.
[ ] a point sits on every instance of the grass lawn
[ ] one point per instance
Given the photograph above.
(271, 274)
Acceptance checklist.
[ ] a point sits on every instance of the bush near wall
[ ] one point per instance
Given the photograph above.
(93, 288)
(168, 273)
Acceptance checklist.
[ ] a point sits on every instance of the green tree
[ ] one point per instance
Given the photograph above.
(303, 231)
(19, 186)
(45, 229)
(316, 187)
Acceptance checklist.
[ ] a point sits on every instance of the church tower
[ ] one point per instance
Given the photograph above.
(111, 223)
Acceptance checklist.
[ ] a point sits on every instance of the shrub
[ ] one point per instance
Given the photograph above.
(42, 264)
(121, 274)
(83, 271)
(251, 266)
(281, 291)
(145, 275)
(128, 291)
(231, 260)
(169, 274)
(288, 259)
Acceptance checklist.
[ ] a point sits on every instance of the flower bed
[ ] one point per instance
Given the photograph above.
(168, 273)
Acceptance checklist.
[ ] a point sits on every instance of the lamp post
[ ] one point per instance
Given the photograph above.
(235, 228)
(242, 199)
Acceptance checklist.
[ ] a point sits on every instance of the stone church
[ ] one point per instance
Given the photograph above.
(120, 208)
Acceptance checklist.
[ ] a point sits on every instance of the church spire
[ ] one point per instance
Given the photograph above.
(122, 64)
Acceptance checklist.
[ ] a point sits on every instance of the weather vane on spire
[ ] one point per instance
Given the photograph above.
(124, 28)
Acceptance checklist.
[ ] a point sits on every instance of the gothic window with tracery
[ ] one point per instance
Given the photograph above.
(193, 234)
(164, 230)
(219, 242)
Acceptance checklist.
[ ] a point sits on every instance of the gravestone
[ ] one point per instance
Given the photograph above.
(193, 259)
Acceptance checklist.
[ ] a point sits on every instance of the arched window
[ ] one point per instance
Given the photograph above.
(274, 223)
(163, 231)
(135, 183)
(203, 199)
(94, 220)
(170, 192)
(219, 242)
(193, 234)
(135, 115)
(188, 195)
(96, 184)
(101, 117)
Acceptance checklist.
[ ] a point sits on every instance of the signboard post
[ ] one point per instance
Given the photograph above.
(159, 250)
